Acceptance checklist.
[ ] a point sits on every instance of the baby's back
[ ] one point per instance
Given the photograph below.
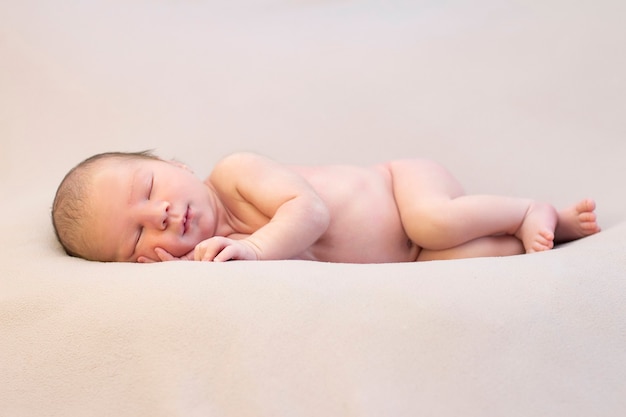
(365, 224)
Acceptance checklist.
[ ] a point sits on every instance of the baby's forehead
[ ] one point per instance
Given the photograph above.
(115, 164)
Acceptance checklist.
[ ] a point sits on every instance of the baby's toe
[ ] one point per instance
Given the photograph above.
(586, 205)
(543, 241)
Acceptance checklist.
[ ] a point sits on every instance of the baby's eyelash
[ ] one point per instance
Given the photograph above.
(151, 186)
(138, 237)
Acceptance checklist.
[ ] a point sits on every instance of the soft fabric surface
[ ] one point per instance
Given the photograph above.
(520, 98)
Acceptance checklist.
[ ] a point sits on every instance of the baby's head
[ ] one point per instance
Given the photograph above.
(72, 209)
(123, 206)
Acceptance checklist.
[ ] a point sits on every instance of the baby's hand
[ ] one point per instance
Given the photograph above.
(221, 249)
(165, 256)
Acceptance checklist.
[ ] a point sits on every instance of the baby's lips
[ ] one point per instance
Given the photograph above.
(184, 222)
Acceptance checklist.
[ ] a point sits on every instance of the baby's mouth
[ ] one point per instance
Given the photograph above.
(186, 221)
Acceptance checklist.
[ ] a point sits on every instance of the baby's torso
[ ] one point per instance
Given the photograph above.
(365, 225)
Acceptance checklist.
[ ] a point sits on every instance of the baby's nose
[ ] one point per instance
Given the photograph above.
(157, 214)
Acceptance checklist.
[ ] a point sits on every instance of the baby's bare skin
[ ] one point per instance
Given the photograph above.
(404, 211)
(365, 214)
(253, 208)
(415, 209)
(365, 224)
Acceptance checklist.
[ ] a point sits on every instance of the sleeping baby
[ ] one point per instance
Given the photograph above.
(136, 207)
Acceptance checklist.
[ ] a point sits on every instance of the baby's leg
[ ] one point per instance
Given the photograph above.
(437, 215)
(481, 247)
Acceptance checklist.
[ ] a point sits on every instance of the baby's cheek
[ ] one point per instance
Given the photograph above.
(180, 250)
(162, 241)
(147, 256)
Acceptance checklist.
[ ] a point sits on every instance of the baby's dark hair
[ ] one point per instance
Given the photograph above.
(70, 209)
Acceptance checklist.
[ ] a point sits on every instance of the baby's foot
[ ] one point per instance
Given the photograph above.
(576, 221)
(537, 229)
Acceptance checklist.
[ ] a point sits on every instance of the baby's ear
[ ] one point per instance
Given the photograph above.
(179, 165)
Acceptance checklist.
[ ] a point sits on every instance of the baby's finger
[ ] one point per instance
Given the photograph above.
(145, 260)
(229, 253)
(164, 255)
(204, 253)
(208, 249)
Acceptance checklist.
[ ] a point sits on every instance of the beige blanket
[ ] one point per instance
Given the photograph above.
(520, 98)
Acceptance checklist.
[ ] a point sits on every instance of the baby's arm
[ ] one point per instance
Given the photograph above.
(255, 189)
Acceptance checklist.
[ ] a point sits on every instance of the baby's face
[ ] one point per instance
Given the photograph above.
(139, 205)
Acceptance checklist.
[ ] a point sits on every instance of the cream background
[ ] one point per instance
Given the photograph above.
(524, 98)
